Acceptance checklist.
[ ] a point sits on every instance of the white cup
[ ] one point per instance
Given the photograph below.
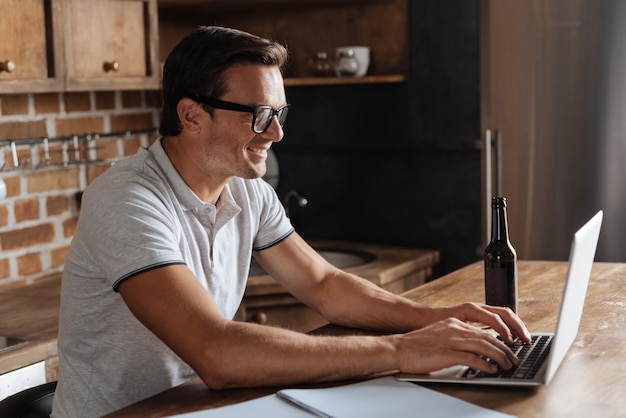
(362, 55)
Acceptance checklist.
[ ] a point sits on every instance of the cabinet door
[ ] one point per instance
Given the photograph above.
(27, 52)
(111, 44)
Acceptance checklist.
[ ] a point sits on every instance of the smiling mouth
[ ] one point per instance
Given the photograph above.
(258, 151)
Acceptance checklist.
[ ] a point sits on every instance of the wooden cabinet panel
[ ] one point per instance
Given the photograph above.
(115, 37)
(29, 53)
(111, 44)
(57, 45)
(27, 49)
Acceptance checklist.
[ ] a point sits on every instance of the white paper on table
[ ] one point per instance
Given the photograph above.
(384, 397)
(268, 406)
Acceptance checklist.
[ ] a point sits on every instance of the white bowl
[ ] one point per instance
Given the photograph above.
(362, 55)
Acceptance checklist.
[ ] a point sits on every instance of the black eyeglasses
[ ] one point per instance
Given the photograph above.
(261, 115)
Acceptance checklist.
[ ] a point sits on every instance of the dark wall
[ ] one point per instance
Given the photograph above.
(395, 163)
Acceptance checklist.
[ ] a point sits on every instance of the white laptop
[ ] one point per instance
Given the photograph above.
(541, 359)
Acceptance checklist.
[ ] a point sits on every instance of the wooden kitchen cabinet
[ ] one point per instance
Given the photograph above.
(30, 52)
(70, 45)
(111, 44)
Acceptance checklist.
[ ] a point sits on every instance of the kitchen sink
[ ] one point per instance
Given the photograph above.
(9, 342)
(338, 257)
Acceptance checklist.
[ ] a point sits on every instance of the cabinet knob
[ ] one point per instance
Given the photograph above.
(8, 66)
(109, 66)
(259, 318)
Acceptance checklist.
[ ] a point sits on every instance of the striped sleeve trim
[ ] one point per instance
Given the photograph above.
(271, 244)
(122, 279)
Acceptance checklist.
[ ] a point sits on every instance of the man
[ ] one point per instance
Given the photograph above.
(160, 258)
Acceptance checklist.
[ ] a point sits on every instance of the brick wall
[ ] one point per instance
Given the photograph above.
(39, 214)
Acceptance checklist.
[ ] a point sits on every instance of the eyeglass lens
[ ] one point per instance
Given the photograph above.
(263, 117)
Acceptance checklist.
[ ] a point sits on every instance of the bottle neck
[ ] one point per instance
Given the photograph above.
(499, 223)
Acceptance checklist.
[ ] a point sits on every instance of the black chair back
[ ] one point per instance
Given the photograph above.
(35, 402)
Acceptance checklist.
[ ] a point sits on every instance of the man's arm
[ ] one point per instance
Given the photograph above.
(348, 300)
(174, 306)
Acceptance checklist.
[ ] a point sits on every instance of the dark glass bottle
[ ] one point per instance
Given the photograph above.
(500, 260)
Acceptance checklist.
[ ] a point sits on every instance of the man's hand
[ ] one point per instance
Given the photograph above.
(451, 342)
(502, 320)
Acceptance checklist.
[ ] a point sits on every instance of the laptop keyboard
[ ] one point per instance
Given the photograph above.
(531, 356)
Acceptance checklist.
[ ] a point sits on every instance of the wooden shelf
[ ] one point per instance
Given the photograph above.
(254, 5)
(305, 27)
(322, 81)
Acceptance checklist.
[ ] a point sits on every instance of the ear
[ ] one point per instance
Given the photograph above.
(189, 114)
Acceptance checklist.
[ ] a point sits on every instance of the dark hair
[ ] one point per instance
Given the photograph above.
(196, 66)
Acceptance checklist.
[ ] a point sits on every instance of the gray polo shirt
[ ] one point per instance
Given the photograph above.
(141, 215)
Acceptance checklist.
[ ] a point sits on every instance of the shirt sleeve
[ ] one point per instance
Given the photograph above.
(274, 225)
(127, 227)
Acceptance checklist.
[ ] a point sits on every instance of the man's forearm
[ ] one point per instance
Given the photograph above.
(255, 355)
(358, 303)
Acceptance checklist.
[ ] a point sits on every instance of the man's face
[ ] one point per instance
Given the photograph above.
(233, 149)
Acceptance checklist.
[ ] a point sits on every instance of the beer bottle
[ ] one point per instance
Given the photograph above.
(500, 260)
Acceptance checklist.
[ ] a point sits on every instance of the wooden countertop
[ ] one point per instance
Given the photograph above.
(590, 381)
(391, 263)
(30, 312)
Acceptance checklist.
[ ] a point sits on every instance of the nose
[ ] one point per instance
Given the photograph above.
(274, 132)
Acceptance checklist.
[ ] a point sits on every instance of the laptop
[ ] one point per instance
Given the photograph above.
(541, 359)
